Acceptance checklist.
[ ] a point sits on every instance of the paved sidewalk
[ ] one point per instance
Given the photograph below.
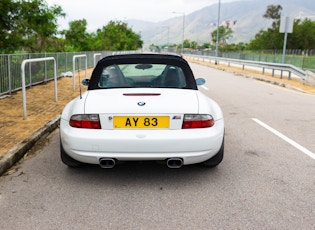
(17, 136)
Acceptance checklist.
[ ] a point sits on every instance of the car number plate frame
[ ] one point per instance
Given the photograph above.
(141, 122)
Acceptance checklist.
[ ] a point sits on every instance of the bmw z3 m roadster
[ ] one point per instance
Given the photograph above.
(142, 107)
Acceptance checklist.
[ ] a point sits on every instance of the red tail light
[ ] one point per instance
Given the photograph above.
(87, 121)
(193, 121)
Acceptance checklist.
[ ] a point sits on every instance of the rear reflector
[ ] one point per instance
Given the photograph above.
(194, 121)
(87, 121)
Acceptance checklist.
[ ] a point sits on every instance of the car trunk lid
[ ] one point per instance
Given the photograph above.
(142, 101)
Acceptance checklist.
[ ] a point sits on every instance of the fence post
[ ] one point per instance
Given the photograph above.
(94, 58)
(30, 69)
(9, 74)
(45, 68)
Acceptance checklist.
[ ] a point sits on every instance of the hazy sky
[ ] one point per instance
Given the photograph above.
(99, 12)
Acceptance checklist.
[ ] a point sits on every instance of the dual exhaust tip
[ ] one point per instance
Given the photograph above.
(107, 163)
(173, 163)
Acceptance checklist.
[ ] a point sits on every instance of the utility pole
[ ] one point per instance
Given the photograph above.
(217, 40)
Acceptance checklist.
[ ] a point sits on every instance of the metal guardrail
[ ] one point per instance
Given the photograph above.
(290, 69)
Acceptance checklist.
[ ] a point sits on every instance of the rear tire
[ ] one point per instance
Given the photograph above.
(215, 160)
(67, 160)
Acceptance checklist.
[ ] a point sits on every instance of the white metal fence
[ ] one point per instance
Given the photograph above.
(39, 72)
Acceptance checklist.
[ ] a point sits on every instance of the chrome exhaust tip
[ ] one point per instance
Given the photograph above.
(174, 163)
(107, 163)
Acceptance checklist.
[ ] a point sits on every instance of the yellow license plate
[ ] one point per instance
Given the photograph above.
(141, 122)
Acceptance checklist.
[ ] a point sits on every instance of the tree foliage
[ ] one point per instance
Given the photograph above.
(29, 25)
(303, 36)
(224, 34)
(116, 36)
(32, 26)
(270, 38)
(77, 37)
(273, 12)
(8, 15)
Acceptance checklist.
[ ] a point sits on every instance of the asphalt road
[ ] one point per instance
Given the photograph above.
(266, 180)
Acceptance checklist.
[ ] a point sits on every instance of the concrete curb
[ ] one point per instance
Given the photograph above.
(281, 84)
(18, 151)
(278, 83)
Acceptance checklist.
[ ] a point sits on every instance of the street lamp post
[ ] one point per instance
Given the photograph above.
(183, 29)
(217, 40)
(168, 34)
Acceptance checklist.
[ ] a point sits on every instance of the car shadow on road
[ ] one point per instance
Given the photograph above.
(142, 173)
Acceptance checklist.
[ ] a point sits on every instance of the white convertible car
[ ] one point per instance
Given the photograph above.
(142, 107)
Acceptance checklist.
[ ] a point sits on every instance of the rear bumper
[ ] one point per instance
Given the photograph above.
(192, 145)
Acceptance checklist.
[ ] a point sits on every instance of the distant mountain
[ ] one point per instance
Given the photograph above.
(247, 16)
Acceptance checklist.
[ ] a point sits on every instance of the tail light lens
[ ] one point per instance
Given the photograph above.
(194, 121)
(87, 121)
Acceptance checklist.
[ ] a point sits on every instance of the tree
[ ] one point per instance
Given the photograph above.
(43, 23)
(224, 34)
(193, 45)
(234, 47)
(270, 39)
(28, 24)
(8, 16)
(206, 45)
(116, 36)
(273, 12)
(303, 36)
(77, 38)
(187, 43)
(267, 39)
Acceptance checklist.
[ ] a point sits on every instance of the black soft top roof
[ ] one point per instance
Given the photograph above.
(137, 58)
(143, 58)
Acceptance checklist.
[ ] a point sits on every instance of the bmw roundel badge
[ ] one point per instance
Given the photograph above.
(141, 103)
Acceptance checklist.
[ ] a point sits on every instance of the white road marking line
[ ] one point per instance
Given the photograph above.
(285, 138)
(204, 87)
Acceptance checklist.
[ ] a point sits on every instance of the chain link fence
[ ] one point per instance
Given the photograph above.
(304, 59)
